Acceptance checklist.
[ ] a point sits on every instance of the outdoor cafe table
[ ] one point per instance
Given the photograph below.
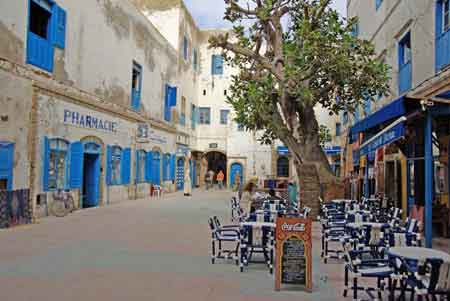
(259, 224)
(342, 201)
(367, 224)
(418, 253)
(358, 212)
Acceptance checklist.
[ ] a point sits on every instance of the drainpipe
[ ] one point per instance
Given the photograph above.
(428, 179)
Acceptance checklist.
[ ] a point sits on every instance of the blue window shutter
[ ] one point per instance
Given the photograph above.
(164, 164)
(217, 65)
(136, 166)
(173, 96)
(58, 26)
(185, 48)
(172, 167)
(7, 163)
(166, 104)
(126, 166)
(40, 52)
(46, 164)
(148, 167)
(108, 165)
(76, 165)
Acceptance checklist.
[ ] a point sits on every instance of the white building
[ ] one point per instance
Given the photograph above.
(108, 97)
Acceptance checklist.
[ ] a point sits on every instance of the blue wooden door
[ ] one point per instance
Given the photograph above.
(91, 180)
(7, 163)
(180, 174)
(156, 168)
(236, 168)
(194, 173)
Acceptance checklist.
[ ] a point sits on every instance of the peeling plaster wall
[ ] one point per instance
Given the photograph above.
(13, 26)
(51, 124)
(388, 25)
(103, 38)
(15, 104)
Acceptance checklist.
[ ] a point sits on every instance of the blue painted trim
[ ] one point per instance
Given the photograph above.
(429, 165)
(7, 164)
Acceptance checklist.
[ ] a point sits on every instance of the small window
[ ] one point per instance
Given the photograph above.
(204, 115)
(195, 60)
(58, 164)
(185, 48)
(140, 166)
(116, 158)
(445, 15)
(183, 111)
(193, 116)
(225, 92)
(136, 86)
(224, 116)
(240, 127)
(40, 16)
(204, 92)
(217, 65)
(283, 167)
(405, 50)
(378, 3)
(345, 117)
(338, 129)
(355, 29)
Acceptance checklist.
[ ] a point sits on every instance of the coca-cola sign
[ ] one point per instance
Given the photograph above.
(299, 227)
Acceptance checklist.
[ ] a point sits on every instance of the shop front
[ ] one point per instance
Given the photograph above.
(408, 138)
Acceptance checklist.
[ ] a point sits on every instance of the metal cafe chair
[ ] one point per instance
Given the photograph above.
(220, 236)
(356, 268)
(256, 239)
(424, 279)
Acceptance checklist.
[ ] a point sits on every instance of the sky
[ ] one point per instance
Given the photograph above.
(209, 13)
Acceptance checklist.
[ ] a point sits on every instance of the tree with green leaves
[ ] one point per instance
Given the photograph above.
(293, 55)
(324, 135)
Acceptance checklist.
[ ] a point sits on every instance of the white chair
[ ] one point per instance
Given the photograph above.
(158, 190)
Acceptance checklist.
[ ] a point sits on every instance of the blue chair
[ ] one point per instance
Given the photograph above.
(220, 236)
(356, 267)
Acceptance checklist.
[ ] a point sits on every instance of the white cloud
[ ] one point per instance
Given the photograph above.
(209, 13)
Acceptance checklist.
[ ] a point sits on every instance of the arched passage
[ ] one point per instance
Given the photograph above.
(236, 170)
(283, 167)
(217, 162)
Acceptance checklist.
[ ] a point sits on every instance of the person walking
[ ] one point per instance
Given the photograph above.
(220, 178)
(237, 181)
(211, 178)
(293, 195)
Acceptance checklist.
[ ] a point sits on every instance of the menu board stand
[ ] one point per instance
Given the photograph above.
(293, 260)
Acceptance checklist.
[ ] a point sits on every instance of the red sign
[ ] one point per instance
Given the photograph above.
(293, 260)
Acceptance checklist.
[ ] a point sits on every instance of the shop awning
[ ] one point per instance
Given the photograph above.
(282, 150)
(332, 150)
(393, 110)
(393, 132)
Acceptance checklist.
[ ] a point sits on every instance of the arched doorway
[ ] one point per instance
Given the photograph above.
(217, 161)
(236, 168)
(91, 150)
(180, 174)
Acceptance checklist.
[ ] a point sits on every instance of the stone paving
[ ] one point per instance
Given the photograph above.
(151, 249)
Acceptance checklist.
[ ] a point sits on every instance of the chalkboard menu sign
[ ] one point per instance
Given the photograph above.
(293, 253)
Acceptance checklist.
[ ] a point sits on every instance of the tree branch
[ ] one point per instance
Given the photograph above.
(222, 42)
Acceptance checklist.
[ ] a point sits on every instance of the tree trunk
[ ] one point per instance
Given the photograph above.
(315, 176)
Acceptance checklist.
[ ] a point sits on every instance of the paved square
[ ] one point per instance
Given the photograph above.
(152, 249)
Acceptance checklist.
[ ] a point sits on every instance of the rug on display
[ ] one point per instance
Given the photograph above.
(15, 208)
